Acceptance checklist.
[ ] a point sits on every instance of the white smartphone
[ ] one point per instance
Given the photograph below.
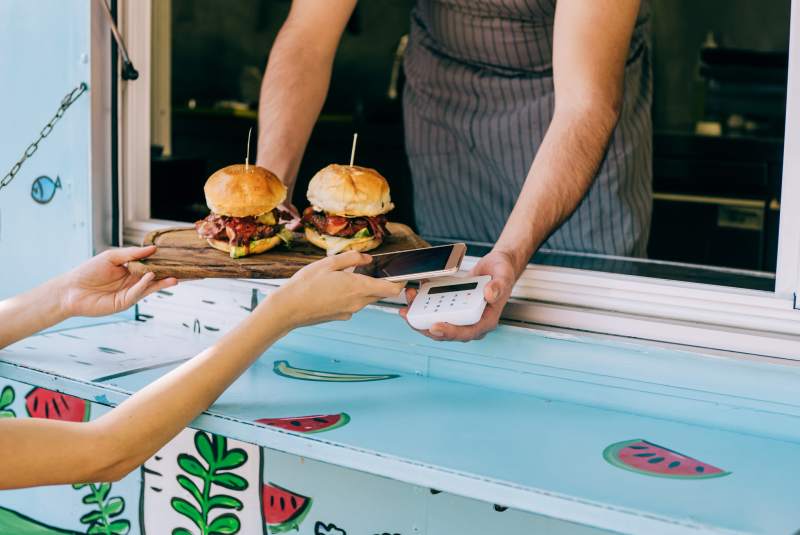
(415, 264)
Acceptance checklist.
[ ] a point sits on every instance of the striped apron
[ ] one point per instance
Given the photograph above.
(477, 102)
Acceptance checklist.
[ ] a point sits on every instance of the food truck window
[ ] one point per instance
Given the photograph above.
(720, 71)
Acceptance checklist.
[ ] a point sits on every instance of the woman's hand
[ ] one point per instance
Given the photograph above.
(323, 292)
(103, 285)
(500, 266)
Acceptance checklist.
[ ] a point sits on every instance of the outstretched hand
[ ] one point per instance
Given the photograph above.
(324, 291)
(497, 292)
(104, 285)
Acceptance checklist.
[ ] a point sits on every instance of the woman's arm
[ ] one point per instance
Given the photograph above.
(29, 313)
(591, 41)
(50, 452)
(98, 287)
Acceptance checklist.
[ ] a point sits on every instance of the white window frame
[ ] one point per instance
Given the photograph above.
(700, 315)
(100, 120)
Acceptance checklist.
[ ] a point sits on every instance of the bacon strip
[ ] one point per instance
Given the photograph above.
(235, 230)
(344, 227)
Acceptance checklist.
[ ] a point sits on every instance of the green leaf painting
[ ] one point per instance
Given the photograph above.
(6, 399)
(213, 467)
(102, 520)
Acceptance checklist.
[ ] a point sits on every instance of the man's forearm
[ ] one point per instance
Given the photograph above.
(292, 94)
(561, 174)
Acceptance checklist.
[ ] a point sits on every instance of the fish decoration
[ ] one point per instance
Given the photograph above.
(44, 189)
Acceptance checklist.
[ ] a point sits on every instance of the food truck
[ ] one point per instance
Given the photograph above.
(617, 395)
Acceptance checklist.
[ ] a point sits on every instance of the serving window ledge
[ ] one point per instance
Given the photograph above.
(521, 419)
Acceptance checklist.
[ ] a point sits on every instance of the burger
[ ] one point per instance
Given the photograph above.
(348, 207)
(244, 219)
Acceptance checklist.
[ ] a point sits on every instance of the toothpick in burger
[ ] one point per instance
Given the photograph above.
(348, 207)
(244, 219)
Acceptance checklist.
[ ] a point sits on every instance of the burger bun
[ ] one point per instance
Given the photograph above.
(241, 191)
(350, 191)
(256, 247)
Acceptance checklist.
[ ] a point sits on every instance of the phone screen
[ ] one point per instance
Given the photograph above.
(407, 262)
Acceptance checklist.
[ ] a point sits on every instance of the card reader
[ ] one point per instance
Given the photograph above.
(454, 300)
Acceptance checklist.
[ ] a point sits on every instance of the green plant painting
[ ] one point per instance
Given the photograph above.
(103, 520)
(6, 399)
(213, 468)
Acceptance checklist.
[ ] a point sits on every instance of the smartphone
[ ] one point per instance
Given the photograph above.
(415, 264)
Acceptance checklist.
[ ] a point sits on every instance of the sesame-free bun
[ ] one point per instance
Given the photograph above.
(256, 247)
(240, 191)
(350, 191)
(336, 246)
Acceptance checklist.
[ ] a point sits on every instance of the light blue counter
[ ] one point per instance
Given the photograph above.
(520, 419)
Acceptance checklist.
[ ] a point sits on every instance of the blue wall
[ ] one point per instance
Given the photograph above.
(44, 53)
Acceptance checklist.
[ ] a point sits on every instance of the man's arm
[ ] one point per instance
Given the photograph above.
(590, 46)
(296, 83)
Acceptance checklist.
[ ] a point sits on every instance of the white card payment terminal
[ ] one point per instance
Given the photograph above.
(454, 300)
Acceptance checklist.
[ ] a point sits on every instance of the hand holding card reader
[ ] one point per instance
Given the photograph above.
(458, 301)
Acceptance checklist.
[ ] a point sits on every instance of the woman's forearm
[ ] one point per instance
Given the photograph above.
(28, 313)
(52, 452)
(142, 424)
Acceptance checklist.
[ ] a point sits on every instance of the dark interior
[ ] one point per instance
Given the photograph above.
(719, 108)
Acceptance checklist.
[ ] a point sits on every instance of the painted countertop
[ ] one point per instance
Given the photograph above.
(521, 419)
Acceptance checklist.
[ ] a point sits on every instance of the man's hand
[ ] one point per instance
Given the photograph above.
(289, 216)
(103, 285)
(500, 266)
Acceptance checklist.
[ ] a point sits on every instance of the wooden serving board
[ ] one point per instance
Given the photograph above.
(184, 255)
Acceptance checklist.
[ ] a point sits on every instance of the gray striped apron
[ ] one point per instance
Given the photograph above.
(477, 102)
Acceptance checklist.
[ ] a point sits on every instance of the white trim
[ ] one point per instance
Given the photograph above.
(161, 112)
(787, 275)
(134, 22)
(100, 96)
(703, 199)
(663, 330)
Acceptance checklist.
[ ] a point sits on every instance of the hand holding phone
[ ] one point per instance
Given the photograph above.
(415, 264)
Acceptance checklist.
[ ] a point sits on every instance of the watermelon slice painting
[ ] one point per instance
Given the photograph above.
(283, 509)
(43, 403)
(284, 369)
(308, 424)
(644, 457)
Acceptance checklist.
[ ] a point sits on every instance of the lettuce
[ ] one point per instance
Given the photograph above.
(363, 233)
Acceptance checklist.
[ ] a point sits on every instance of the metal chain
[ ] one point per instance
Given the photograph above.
(66, 102)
